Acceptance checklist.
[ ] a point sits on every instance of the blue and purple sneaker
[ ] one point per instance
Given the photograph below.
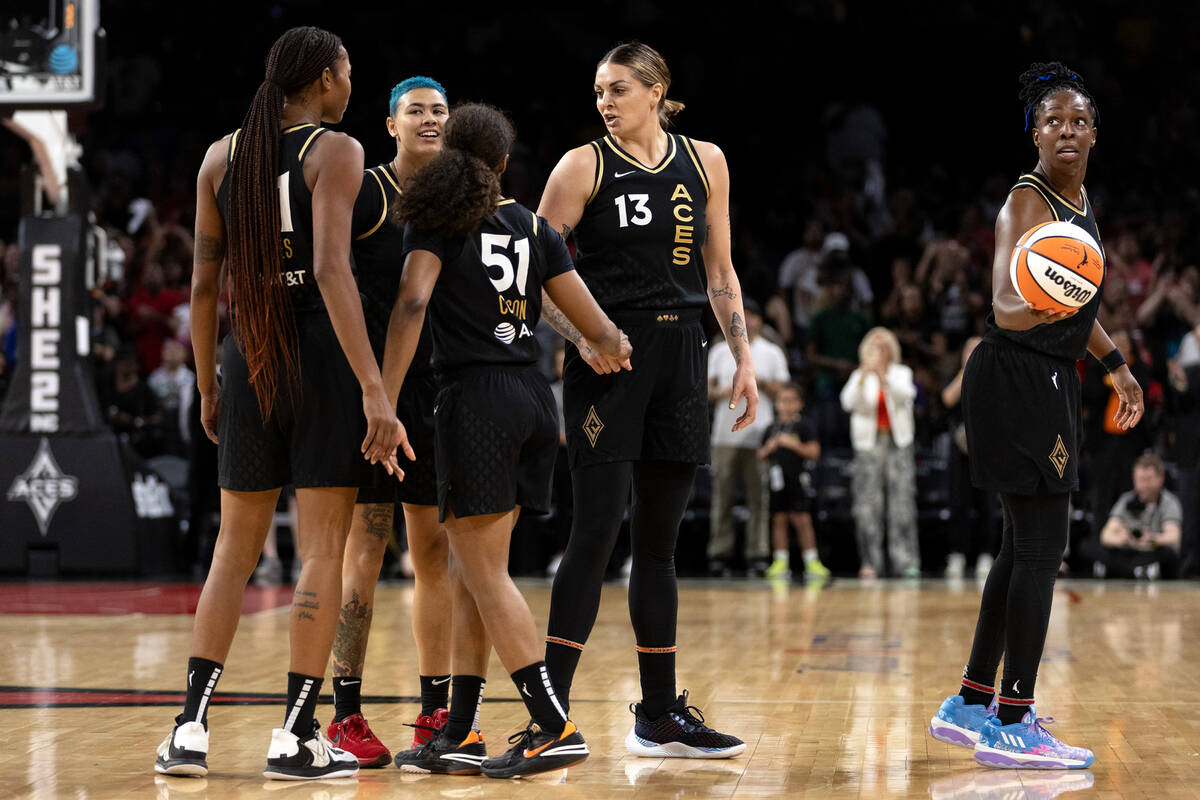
(1027, 745)
(958, 723)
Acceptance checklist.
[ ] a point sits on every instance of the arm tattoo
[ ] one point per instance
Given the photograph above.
(558, 320)
(210, 248)
(737, 329)
(727, 291)
(378, 519)
(308, 603)
(566, 231)
(350, 641)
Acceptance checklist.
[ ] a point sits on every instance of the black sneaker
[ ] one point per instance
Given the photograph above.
(444, 757)
(679, 733)
(184, 751)
(291, 758)
(534, 751)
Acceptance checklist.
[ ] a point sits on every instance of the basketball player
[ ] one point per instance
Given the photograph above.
(274, 201)
(496, 422)
(650, 212)
(417, 110)
(1021, 408)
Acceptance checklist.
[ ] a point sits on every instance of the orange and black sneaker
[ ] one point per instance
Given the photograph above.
(535, 751)
(444, 757)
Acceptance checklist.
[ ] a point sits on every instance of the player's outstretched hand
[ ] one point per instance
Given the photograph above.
(1047, 316)
(383, 429)
(745, 384)
(1131, 407)
(210, 413)
(603, 364)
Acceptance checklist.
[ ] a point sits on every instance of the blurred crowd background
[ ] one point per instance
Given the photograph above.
(870, 150)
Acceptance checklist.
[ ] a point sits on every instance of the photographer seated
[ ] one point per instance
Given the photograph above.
(1142, 536)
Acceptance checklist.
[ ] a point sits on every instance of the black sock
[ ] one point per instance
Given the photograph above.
(464, 706)
(533, 684)
(347, 697)
(301, 703)
(975, 692)
(435, 693)
(1011, 713)
(657, 668)
(202, 680)
(562, 657)
(660, 496)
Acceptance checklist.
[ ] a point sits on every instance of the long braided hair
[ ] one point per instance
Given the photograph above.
(262, 318)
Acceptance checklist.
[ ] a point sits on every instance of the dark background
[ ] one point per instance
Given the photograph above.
(763, 80)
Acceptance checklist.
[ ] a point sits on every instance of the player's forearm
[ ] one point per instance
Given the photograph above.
(1099, 345)
(725, 295)
(403, 335)
(558, 320)
(204, 340)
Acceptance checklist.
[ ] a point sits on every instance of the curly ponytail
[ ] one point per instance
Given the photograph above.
(460, 188)
(262, 318)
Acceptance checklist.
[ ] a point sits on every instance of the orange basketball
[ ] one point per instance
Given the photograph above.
(1057, 266)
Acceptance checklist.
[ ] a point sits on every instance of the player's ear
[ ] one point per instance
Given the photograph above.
(503, 165)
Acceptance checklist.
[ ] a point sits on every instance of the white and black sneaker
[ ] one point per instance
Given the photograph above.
(291, 758)
(184, 751)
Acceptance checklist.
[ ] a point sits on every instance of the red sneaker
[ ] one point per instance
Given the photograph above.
(427, 726)
(354, 735)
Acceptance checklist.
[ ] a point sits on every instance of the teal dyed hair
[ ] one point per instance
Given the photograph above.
(415, 82)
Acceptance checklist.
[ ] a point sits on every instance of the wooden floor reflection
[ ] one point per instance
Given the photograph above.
(832, 689)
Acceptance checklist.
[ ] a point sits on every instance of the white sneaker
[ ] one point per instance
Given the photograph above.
(956, 564)
(627, 567)
(983, 566)
(184, 751)
(552, 567)
(291, 758)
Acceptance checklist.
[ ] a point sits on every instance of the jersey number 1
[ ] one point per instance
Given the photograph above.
(285, 203)
(507, 275)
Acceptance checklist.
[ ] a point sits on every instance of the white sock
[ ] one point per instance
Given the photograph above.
(781, 555)
(811, 555)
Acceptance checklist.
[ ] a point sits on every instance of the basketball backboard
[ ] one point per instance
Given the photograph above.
(50, 53)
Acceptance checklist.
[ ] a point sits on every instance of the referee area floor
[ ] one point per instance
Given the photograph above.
(832, 689)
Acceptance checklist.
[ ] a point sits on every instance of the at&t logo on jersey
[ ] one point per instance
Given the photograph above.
(506, 333)
(43, 486)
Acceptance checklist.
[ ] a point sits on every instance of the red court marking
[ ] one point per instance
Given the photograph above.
(125, 598)
(1072, 595)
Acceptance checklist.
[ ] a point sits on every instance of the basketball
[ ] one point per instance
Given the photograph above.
(1057, 266)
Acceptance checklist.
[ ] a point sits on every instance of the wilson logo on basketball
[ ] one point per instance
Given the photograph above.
(1070, 289)
(1057, 266)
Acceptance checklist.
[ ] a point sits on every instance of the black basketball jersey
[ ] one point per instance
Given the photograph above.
(295, 213)
(640, 238)
(378, 248)
(1068, 338)
(488, 297)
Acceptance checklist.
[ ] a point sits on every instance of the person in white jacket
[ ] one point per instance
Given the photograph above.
(879, 398)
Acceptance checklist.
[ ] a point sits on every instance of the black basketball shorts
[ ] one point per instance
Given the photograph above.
(656, 412)
(791, 491)
(414, 408)
(497, 440)
(1021, 410)
(314, 436)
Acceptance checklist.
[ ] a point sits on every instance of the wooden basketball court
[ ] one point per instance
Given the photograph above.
(832, 688)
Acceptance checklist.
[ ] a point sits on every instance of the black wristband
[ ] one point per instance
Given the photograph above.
(1113, 361)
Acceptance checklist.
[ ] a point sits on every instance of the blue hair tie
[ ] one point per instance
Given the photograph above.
(407, 85)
